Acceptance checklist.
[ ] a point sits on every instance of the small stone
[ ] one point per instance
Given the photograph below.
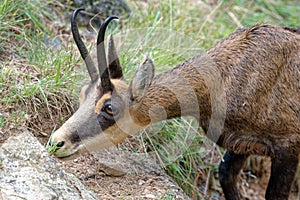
(150, 196)
(141, 182)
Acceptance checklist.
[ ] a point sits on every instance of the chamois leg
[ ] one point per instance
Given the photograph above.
(228, 173)
(283, 170)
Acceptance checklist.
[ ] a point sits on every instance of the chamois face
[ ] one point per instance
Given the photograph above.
(96, 124)
(103, 118)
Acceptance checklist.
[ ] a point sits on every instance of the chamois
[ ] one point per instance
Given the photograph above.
(244, 91)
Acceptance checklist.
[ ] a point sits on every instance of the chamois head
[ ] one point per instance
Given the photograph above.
(103, 118)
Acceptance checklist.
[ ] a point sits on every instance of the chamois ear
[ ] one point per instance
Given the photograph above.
(114, 66)
(142, 80)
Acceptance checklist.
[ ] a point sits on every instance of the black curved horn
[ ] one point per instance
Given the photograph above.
(82, 48)
(101, 56)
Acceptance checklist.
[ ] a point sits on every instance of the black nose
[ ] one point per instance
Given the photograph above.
(60, 144)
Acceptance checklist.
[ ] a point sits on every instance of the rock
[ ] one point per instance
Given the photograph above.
(98, 10)
(28, 172)
(150, 196)
(152, 182)
(128, 162)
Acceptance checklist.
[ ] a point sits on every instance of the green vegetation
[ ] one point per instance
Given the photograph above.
(37, 77)
(41, 71)
(51, 148)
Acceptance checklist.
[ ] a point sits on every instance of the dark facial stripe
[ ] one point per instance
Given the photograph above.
(74, 138)
(105, 123)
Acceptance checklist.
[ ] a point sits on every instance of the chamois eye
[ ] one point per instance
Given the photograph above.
(108, 109)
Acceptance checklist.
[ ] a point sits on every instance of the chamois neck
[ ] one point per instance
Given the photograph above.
(181, 91)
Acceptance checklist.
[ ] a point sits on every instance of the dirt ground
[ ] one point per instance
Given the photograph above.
(118, 176)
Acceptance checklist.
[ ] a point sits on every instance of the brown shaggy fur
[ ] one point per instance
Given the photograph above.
(259, 70)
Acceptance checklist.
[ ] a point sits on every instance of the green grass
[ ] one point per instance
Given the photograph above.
(2, 121)
(35, 75)
(40, 82)
(20, 20)
(51, 148)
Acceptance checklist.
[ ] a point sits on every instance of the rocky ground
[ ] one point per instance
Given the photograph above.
(28, 172)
